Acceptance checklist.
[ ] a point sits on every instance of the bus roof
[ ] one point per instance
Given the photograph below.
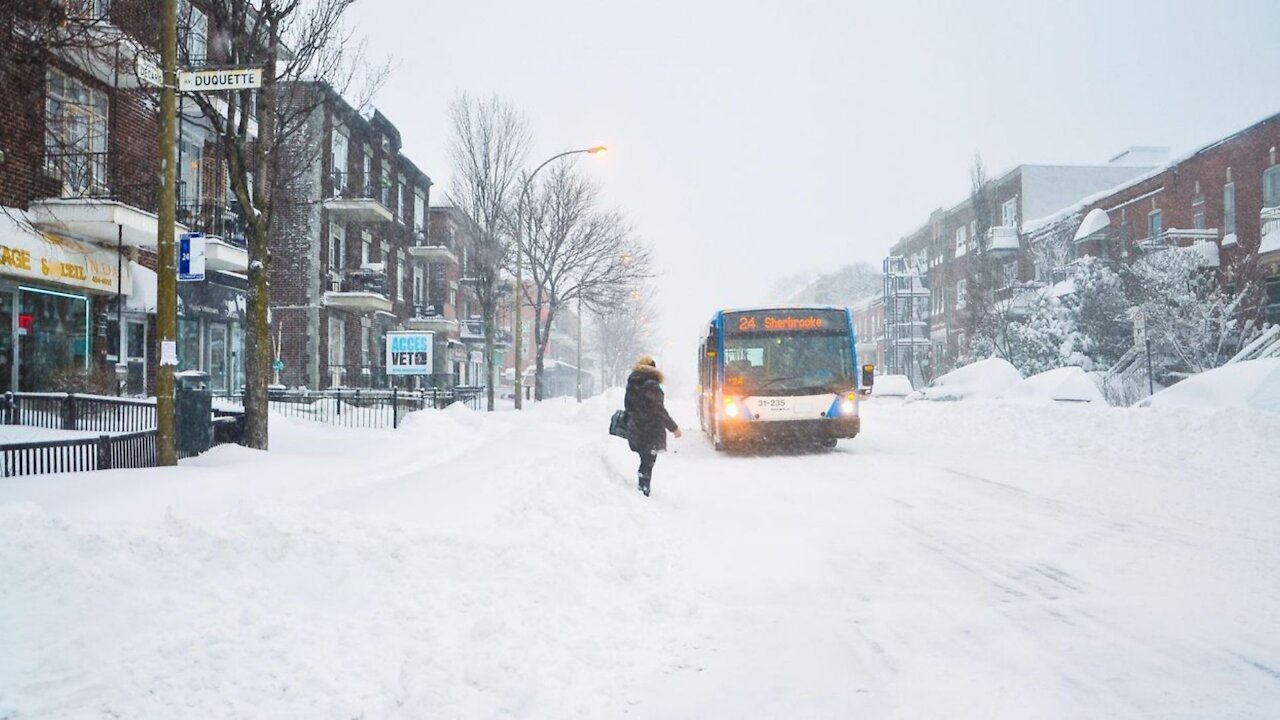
(763, 308)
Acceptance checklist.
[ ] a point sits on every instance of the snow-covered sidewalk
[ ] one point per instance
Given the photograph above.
(963, 560)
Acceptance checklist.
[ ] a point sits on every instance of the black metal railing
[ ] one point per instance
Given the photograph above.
(105, 452)
(365, 280)
(354, 187)
(212, 216)
(68, 411)
(92, 175)
(359, 408)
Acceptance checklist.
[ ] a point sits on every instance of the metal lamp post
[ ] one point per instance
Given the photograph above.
(517, 335)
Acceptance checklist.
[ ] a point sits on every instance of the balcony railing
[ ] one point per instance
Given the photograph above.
(1002, 237)
(1174, 237)
(87, 175)
(1270, 223)
(212, 216)
(352, 186)
(364, 280)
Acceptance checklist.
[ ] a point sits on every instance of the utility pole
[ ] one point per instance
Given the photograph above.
(167, 300)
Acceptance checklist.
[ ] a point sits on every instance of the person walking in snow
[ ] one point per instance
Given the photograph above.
(648, 419)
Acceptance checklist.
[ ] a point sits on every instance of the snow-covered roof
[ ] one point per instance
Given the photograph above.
(1096, 220)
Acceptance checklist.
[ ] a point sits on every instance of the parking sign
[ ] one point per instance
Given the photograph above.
(190, 257)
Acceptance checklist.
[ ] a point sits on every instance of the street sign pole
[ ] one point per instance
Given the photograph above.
(167, 286)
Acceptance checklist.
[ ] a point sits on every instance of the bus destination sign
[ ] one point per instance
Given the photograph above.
(785, 321)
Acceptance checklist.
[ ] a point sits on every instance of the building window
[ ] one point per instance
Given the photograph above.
(193, 34)
(76, 134)
(1271, 187)
(402, 207)
(419, 211)
(1229, 208)
(1197, 213)
(962, 293)
(962, 240)
(402, 271)
(366, 248)
(337, 341)
(1153, 224)
(339, 146)
(337, 247)
(366, 176)
(88, 9)
(1010, 274)
(1009, 213)
(418, 283)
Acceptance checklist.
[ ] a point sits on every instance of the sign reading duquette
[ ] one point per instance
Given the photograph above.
(410, 353)
(219, 80)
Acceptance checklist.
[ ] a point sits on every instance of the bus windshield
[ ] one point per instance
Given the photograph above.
(781, 364)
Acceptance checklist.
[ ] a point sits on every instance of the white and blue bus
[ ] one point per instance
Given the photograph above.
(787, 374)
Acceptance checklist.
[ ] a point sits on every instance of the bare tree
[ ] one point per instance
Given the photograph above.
(490, 141)
(982, 321)
(296, 43)
(622, 332)
(576, 253)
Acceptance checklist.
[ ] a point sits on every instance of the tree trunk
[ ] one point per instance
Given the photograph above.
(257, 365)
(490, 351)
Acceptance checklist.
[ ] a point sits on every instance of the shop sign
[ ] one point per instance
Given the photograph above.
(410, 353)
(50, 258)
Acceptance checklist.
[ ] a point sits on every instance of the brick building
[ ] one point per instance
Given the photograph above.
(352, 253)
(945, 249)
(78, 167)
(1223, 198)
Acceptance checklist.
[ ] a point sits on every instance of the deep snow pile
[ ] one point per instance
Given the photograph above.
(1066, 384)
(892, 386)
(983, 379)
(426, 572)
(1252, 384)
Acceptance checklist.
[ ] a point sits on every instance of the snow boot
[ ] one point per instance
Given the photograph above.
(644, 485)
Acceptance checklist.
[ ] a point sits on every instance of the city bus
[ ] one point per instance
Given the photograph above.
(786, 374)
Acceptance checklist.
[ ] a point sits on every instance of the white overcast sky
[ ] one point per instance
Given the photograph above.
(755, 139)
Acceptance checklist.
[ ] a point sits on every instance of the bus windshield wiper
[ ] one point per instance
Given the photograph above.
(771, 381)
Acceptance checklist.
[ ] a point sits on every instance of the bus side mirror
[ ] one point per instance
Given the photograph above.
(868, 378)
(713, 342)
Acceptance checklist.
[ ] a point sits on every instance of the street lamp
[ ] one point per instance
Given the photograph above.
(517, 318)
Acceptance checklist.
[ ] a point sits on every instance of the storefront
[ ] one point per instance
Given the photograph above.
(211, 320)
(52, 289)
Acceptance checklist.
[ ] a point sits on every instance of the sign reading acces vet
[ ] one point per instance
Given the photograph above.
(410, 353)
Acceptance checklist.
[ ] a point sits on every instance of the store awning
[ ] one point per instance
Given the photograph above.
(37, 256)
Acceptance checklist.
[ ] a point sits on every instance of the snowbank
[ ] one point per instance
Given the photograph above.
(1253, 384)
(984, 379)
(892, 386)
(1068, 384)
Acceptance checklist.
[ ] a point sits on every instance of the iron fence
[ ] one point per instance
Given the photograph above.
(358, 408)
(105, 452)
(68, 411)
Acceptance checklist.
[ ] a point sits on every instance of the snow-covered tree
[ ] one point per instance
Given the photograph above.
(1103, 313)
(1193, 323)
(1048, 337)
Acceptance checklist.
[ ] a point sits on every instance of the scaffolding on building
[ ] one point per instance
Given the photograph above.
(905, 343)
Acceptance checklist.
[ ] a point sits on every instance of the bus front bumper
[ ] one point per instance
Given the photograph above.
(791, 430)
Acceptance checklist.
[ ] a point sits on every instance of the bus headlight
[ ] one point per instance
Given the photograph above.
(849, 405)
(730, 408)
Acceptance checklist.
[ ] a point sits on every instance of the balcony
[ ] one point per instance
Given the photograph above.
(358, 202)
(1203, 241)
(87, 197)
(473, 333)
(427, 319)
(1003, 238)
(438, 253)
(363, 290)
(223, 226)
(1269, 221)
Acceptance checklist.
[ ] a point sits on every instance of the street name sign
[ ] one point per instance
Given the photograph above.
(219, 80)
(410, 353)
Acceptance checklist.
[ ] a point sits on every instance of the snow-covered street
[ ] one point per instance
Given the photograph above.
(956, 560)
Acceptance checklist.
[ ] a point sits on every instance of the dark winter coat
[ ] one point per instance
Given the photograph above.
(647, 414)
